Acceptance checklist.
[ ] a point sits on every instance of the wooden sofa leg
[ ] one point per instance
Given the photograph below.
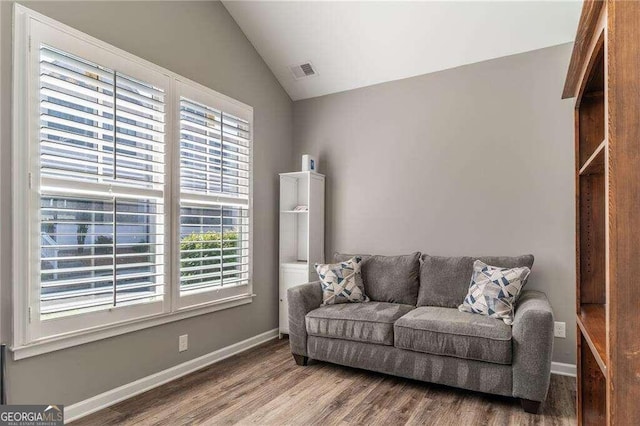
(529, 406)
(301, 359)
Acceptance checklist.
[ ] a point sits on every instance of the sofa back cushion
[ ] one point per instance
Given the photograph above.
(444, 281)
(393, 279)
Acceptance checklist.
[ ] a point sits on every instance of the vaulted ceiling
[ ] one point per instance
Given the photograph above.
(357, 44)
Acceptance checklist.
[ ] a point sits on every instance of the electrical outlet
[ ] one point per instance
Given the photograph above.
(183, 343)
(560, 329)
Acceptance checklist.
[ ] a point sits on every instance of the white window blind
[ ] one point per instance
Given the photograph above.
(101, 140)
(214, 204)
(132, 191)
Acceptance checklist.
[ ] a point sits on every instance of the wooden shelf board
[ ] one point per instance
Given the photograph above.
(592, 323)
(595, 162)
(593, 94)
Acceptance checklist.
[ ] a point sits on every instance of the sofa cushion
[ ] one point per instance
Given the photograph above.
(370, 322)
(449, 332)
(444, 281)
(393, 279)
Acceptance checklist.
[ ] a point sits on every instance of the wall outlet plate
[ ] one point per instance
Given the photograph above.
(183, 343)
(560, 329)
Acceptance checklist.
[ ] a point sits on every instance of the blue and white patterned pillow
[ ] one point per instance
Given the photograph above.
(494, 291)
(341, 282)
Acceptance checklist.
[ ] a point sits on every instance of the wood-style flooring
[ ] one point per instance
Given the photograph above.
(264, 386)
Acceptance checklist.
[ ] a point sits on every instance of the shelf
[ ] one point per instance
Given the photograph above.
(593, 94)
(595, 163)
(294, 211)
(298, 175)
(592, 323)
(303, 264)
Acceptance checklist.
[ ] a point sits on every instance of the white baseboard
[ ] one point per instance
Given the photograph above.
(562, 369)
(106, 399)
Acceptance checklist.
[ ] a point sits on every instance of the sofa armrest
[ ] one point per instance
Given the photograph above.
(301, 299)
(532, 346)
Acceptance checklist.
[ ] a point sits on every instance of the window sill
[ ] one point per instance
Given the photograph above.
(79, 338)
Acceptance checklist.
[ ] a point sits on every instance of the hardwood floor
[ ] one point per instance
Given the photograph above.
(264, 386)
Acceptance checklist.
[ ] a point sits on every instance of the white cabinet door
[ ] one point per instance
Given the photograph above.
(289, 277)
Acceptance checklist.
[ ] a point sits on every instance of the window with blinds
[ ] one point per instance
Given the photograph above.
(102, 138)
(132, 191)
(214, 201)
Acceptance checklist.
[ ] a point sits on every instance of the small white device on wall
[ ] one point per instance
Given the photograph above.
(301, 234)
(309, 163)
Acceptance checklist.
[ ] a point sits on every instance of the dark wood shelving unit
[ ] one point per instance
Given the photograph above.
(603, 76)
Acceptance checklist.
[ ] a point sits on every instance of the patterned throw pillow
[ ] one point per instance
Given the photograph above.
(341, 282)
(493, 291)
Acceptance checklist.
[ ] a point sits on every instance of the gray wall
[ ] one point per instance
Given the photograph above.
(201, 41)
(470, 161)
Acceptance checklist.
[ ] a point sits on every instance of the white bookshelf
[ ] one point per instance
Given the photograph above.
(301, 233)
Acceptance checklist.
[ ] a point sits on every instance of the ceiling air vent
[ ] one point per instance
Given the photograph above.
(303, 70)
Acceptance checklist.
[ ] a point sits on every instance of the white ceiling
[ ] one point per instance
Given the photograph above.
(357, 44)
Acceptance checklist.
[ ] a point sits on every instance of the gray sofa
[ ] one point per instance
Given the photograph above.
(412, 328)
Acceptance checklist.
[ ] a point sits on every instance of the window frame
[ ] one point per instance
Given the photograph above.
(40, 33)
(29, 338)
(184, 88)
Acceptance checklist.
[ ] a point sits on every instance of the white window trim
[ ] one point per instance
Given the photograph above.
(22, 345)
